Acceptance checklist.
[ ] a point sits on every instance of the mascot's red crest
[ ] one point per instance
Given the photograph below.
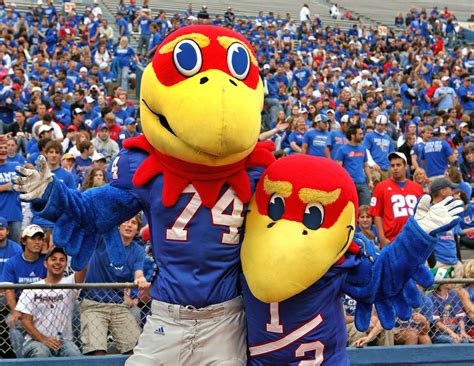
(198, 48)
(305, 173)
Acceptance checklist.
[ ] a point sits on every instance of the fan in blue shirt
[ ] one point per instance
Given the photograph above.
(437, 153)
(466, 93)
(8, 248)
(379, 143)
(101, 271)
(26, 267)
(53, 152)
(315, 140)
(336, 140)
(301, 76)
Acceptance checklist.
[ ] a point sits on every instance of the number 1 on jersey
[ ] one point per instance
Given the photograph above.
(274, 326)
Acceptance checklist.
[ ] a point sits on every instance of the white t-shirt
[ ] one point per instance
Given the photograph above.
(305, 15)
(57, 133)
(51, 309)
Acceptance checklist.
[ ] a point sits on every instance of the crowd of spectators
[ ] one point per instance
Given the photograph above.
(394, 107)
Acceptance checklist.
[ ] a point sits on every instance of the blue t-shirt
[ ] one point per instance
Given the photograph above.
(404, 89)
(101, 270)
(379, 147)
(448, 101)
(65, 177)
(145, 26)
(155, 40)
(10, 206)
(301, 76)
(463, 93)
(18, 158)
(317, 141)
(467, 219)
(436, 154)
(417, 150)
(298, 138)
(445, 248)
(19, 270)
(83, 166)
(447, 310)
(123, 27)
(124, 56)
(9, 250)
(421, 101)
(335, 141)
(353, 160)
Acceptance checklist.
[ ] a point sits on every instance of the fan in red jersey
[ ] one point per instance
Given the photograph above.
(394, 200)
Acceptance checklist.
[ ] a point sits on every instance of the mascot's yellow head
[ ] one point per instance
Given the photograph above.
(300, 223)
(201, 96)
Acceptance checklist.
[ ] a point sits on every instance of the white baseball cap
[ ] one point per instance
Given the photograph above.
(31, 231)
(381, 119)
(397, 154)
(345, 118)
(44, 128)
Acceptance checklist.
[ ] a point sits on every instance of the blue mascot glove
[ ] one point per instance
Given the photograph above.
(390, 282)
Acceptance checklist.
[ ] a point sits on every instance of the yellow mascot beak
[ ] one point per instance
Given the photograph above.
(280, 261)
(210, 118)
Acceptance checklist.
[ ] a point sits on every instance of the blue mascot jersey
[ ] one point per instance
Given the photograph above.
(308, 326)
(197, 249)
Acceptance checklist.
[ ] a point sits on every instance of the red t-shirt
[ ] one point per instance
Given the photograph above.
(394, 205)
(115, 132)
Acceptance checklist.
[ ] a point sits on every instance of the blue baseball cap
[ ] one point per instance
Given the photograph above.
(102, 126)
(129, 121)
(3, 222)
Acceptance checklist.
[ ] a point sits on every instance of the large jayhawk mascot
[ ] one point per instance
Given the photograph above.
(193, 174)
(299, 256)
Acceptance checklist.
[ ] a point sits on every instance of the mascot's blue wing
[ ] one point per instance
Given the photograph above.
(81, 218)
(389, 281)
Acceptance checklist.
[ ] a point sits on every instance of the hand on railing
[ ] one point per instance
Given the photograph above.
(14, 318)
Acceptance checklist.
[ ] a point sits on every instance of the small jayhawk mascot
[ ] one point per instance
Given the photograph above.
(299, 256)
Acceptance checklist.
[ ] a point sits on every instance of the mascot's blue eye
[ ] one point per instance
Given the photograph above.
(238, 61)
(313, 216)
(187, 57)
(276, 207)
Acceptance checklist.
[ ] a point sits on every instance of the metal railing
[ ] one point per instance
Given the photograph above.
(108, 317)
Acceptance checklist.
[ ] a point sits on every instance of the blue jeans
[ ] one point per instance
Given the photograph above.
(17, 337)
(143, 44)
(363, 192)
(33, 349)
(15, 230)
(273, 106)
(444, 338)
(123, 77)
